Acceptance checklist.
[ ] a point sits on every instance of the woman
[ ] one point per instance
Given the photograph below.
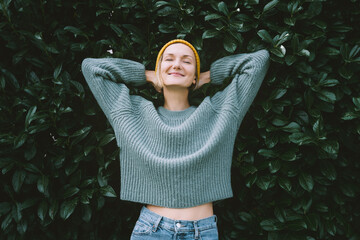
(176, 159)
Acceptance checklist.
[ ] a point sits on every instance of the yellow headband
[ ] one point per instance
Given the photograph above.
(197, 58)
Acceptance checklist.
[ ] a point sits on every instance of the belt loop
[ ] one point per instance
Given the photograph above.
(196, 230)
(216, 219)
(156, 224)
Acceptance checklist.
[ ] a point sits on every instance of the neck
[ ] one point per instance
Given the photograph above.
(176, 98)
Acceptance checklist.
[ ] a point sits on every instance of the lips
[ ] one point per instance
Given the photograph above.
(176, 74)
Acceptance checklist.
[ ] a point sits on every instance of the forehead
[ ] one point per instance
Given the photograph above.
(179, 49)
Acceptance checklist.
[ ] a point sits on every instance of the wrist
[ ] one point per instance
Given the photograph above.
(208, 78)
(148, 75)
(205, 77)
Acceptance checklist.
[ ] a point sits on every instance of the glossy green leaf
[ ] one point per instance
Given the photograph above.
(71, 168)
(267, 153)
(246, 169)
(53, 208)
(329, 82)
(349, 190)
(290, 59)
(42, 210)
(164, 28)
(188, 25)
(265, 182)
(292, 127)
(289, 155)
(57, 71)
(159, 4)
(354, 51)
(82, 131)
(230, 44)
(246, 217)
(32, 168)
(30, 152)
(76, 31)
(300, 138)
(278, 93)
(42, 184)
(296, 225)
(6, 222)
(70, 191)
(306, 181)
(270, 5)
(330, 51)
(116, 29)
(270, 225)
(331, 228)
(106, 139)
(356, 101)
(279, 51)
(284, 183)
(18, 179)
(210, 34)
(30, 115)
(86, 195)
(20, 140)
(312, 221)
(345, 72)
(264, 35)
(212, 16)
(327, 96)
(250, 180)
(67, 208)
(279, 121)
(280, 214)
(223, 8)
(331, 147)
(328, 170)
(108, 191)
(274, 165)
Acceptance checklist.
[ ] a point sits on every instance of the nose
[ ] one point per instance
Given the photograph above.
(176, 64)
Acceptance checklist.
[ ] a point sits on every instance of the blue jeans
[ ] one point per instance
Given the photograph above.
(150, 225)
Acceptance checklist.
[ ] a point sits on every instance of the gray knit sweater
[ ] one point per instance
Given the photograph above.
(175, 159)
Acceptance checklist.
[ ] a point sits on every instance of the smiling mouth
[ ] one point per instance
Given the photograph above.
(176, 74)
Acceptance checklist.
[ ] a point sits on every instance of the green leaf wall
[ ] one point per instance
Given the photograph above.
(296, 164)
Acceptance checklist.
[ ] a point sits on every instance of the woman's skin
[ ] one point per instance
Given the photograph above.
(177, 58)
(178, 71)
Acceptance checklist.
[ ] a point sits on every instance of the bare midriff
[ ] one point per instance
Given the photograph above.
(190, 214)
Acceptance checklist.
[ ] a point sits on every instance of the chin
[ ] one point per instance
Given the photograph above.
(175, 85)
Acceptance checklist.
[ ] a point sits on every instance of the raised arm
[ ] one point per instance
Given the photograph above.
(106, 78)
(248, 71)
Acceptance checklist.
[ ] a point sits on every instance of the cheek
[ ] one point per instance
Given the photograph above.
(191, 70)
(164, 66)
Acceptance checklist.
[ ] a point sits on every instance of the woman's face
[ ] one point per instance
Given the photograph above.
(178, 66)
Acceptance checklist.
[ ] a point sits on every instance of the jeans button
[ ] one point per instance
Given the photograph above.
(178, 225)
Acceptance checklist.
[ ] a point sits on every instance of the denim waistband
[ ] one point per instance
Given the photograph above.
(177, 225)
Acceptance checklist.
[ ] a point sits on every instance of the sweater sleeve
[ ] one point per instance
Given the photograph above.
(247, 71)
(107, 77)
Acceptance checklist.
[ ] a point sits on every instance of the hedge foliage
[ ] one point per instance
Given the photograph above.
(296, 162)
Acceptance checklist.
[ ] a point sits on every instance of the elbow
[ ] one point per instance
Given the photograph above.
(87, 64)
(263, 56)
